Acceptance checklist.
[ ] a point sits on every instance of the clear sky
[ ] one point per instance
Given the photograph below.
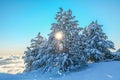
(21, 20)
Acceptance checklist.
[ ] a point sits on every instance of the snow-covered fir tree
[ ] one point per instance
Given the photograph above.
(32, 51)
(117, 55)
(63, 50)
(97, 45)
(118, 50)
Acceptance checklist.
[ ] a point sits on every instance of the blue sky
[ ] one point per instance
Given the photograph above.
(21, 20)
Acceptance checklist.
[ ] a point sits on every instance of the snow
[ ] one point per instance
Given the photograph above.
(95, 71)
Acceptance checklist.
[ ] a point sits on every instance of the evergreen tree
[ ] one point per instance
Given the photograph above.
(32, 51)
(118, 50)
(64, 49)
(117, 55)
(97, 45)
(28, 59)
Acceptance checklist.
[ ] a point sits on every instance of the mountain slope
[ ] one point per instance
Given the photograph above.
(96, 71)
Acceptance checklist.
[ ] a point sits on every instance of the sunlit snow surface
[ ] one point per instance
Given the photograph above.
(95, 71)
(12, 65)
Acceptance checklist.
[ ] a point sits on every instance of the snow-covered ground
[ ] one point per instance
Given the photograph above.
(12, 65)
(96, 71)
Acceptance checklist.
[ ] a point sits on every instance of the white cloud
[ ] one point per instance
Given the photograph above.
(12, 64)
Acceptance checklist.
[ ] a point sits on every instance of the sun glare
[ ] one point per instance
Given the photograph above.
(59, 35)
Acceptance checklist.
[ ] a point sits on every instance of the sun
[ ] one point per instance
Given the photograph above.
(59, 35)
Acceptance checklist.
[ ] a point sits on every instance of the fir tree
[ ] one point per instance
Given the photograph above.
(97, 45)
(118, 50)
(117, 55)
(32, 51)
(64, 49)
